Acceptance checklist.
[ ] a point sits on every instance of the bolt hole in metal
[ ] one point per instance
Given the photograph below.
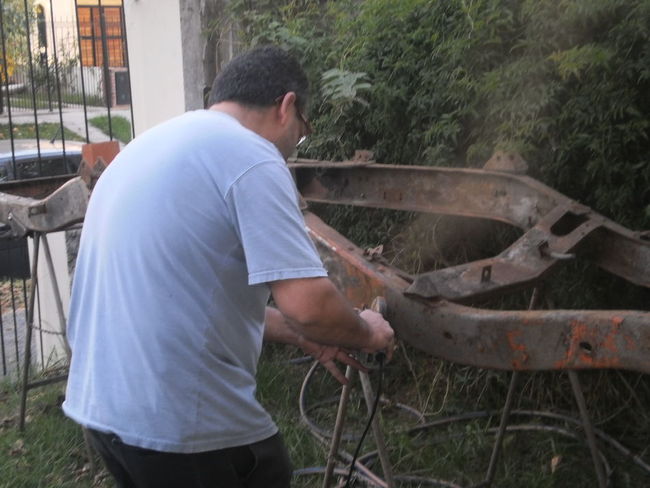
(568, 223)
(586, 347)
(486, 274)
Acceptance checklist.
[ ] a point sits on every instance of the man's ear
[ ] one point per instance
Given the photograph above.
(285, 109)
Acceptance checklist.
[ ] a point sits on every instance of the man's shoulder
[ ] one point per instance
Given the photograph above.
(228, 133)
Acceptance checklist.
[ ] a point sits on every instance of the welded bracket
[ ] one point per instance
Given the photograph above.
(66, 206)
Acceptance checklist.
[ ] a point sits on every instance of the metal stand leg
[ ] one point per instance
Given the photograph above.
(89, 451)
(25, 384)
(27, 358)
(505, 415)
(376, 430)
(338, 429)
(378, 305)
(503, 425)
(588, 427)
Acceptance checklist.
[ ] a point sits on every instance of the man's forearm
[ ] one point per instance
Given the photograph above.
(314, 308)
(276, 328)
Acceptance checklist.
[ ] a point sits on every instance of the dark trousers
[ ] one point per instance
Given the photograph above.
(263, 464)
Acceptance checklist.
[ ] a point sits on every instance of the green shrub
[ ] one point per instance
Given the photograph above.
(564, 82)
(446, 83)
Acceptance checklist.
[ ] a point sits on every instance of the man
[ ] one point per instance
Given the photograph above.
(187, 233)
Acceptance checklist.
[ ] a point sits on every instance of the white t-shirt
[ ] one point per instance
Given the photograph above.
(182, 233)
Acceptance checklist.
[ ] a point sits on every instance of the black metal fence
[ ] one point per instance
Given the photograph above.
(14, 283)
(40, 83)
(57, 76)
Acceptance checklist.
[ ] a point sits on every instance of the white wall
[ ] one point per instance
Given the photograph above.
(92, 82)
(153, 29)
(63, 9)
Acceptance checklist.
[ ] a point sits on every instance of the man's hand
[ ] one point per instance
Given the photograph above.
(383, 336)
(326, 355)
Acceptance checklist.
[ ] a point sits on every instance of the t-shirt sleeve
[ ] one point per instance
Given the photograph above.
(264, 208)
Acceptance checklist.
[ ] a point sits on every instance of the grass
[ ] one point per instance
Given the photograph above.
(13, 292)
(25, 101)
(533, 457)
(51, 451)
(46, 130)
(120, 126)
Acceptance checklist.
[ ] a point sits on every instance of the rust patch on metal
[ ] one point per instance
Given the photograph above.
(587, 349)
(521, 356)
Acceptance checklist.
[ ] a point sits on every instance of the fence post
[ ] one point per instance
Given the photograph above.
(107, 76)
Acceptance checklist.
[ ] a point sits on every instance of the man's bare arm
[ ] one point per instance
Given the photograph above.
(314, 309)
(277, 329)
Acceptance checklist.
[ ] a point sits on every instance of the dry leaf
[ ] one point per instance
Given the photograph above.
(374, 252)
(7, 422)
(18, 449)
(555, 462)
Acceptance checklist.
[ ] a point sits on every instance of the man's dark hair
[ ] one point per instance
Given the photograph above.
(258, 77)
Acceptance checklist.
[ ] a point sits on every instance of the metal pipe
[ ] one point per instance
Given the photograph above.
(58, 80)
(2, 344)
(338, 428)
(28, 333)
(505, 414)
(376, 430)
(128, 67)
(47, 59)
(108, 89)
(31, 74)
(81, 69)
(6, 75)
(13, 310)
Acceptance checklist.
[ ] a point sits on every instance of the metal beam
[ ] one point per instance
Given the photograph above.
(505, 340)
(556, 227)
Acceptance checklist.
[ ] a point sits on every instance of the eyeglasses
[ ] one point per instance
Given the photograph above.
(308, 129)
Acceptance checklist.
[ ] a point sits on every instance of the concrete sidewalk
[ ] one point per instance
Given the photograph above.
(73, 119)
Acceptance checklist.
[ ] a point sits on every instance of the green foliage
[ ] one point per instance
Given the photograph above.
(565, 83)
(344, 86)
(446, 83)
(120, 126)
(50, 452)
(14, 21)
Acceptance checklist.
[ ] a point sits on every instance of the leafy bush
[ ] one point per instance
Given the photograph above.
(446, 83)
(564, 82)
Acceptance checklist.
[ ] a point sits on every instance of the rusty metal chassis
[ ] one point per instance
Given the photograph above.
(426, 310)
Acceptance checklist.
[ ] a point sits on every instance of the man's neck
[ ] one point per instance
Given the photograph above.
(259, 120)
